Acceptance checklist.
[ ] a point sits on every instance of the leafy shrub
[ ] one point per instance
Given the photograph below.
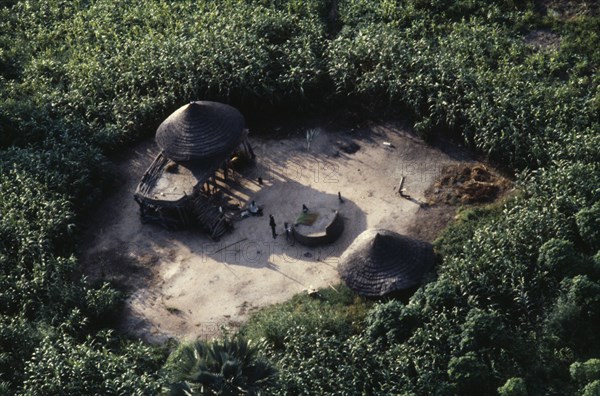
(229, 366)
(338, 312)
(470, 374)
(483, 330)
(34, 223)
(62, 366)
(311, 360)
(559, 258)
(125, 67)
(391, 323)
(576, 314)
(101, 304)
(591, 389)
(513, 387)
(585, 372)
(18, 338)
(588, 222)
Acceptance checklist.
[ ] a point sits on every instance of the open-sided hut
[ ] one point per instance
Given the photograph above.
(380, 262)
(196, 141)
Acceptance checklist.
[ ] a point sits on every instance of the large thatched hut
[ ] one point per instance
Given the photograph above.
(196, 141)
(381, 262)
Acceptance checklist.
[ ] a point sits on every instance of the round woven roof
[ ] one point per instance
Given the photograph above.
(200, 130)
(379, 262)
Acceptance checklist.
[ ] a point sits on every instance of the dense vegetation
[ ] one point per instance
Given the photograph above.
(515, 307)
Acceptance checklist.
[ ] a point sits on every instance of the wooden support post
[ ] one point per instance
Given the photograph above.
(400, 185)
(401, 189)
(215, 185)
(249, 147)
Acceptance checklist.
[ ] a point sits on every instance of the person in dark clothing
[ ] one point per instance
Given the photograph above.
(272, 225)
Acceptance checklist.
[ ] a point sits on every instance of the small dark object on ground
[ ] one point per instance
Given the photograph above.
(314, 293)
(171, 167)
(349, 147)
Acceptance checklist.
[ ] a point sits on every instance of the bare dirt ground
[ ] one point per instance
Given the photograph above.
(184, 285)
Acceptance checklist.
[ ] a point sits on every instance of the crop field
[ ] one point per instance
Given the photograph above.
(514, 307)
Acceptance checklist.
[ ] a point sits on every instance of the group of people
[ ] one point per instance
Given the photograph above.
(286, 226)
(256, 211)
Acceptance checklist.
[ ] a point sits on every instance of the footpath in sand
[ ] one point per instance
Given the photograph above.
(184, 285)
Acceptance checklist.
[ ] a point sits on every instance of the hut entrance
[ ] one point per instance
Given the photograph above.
(179, 189)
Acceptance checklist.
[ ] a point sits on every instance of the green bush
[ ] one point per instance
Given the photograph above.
(391, 323)
(101, 304)
(588, 223)
(18, 339)
(483, 330)
(587, 376)
(585, 372)
(316, 363)
(559, 258)
(125, 67)
(61, 365)
(470, 374)
(591, 389)
(576, 314)
(231, 366)
(513, 387)
(339, 312)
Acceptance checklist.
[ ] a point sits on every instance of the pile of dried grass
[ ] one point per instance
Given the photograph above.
(467, 184)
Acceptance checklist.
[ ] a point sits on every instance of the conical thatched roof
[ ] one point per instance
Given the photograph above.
(199, 131)
(379, 262)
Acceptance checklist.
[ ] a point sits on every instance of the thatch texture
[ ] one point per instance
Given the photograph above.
(200, 131)
(379, 262)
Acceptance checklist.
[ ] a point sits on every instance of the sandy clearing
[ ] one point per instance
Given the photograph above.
(184, 285)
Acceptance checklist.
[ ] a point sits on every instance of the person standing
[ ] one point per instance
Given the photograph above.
(288, 232)
(272, 225)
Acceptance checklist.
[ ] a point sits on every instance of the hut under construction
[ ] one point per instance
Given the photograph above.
(381, 262)
(178, 189)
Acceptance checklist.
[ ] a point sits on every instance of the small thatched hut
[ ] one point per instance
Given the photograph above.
(196, 141)
(380, 262)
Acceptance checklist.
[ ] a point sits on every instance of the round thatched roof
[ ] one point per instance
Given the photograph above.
(379, 262)
(200, 130)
